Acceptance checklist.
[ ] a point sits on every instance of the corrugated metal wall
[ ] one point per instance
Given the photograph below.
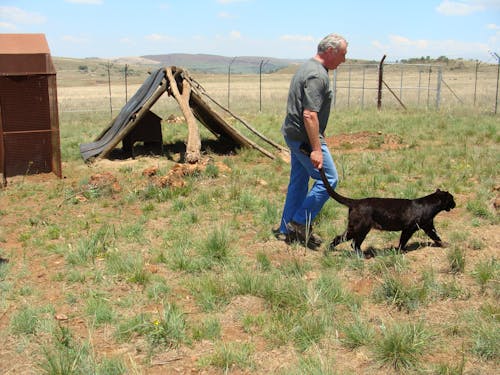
(29, 122)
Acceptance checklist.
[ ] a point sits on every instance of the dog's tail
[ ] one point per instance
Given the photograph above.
(339, 198)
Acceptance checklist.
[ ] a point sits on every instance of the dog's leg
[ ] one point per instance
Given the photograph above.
(432, 233)
(357, 241)
(405, 237)
(338, 240)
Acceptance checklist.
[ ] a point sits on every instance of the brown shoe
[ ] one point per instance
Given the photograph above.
(305, 235)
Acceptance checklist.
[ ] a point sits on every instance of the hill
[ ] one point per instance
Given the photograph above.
(220, 64)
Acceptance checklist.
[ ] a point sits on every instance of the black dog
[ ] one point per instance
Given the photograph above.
(390, 214)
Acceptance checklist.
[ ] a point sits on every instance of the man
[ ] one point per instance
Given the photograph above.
(308, 109)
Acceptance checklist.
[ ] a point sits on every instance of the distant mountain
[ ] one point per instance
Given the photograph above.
(220, 64)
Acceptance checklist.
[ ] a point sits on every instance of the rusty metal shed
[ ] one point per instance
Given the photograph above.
(29, 120)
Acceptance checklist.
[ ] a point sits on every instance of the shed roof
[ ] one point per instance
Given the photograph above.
(25, 54)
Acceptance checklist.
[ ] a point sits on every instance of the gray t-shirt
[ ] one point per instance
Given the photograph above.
(309, 89)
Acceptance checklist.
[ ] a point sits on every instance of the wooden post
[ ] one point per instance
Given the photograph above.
(193, 147)
(380, 80)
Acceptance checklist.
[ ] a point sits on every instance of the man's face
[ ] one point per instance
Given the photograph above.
(333, 58)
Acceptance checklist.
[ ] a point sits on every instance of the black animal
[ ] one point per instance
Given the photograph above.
(390, 214)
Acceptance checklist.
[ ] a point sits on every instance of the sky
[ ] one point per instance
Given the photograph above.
(468, 29)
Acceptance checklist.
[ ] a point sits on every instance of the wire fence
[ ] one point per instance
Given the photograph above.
(106, 88)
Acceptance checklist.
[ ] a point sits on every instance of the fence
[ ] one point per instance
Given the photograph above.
(100, 88)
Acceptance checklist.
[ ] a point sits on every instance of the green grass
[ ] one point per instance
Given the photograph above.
(402, 345)
(228, 356)
(155, 272)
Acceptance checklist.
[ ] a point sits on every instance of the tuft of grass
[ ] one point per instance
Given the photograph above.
(99, 310)
(26, 321)
(295, 267)
(88, 249)
(403, 295)
(129, 266)
(486, 271)
(263, 261)
(208, 329)
(307, 330)
(311, 365)
(158, 289)
(170, 330)
(66, 356)
(357, 333)
(402, 345)
(210, 291)
(456, 260)
(231, 355)
(452, 368)
(137, 325)
(391, 260)
(216, 248)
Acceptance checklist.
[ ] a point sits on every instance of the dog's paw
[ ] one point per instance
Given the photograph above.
(441, 244)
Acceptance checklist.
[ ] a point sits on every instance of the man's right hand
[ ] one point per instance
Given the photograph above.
(317, 159)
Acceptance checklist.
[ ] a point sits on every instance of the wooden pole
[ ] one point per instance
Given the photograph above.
(193, 147)
(380, 80)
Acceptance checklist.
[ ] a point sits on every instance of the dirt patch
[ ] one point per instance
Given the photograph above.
(361, 141)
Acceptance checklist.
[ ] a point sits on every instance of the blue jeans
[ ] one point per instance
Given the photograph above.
(301, 204)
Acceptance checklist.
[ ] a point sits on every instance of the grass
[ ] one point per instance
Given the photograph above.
(402, 345)
(192, 277)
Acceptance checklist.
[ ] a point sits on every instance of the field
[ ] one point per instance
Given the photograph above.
(119, 269)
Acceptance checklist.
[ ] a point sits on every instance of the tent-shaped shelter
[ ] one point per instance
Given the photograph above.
(190, 96)
(29, 121)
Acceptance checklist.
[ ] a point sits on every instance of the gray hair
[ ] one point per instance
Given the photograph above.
(331, 40)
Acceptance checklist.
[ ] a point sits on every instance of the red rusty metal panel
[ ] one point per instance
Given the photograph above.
(27, 153)
(22, 54)
(25, 64)
(29, 121)
(25, 103)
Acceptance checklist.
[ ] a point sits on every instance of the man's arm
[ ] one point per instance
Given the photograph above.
(311, 124)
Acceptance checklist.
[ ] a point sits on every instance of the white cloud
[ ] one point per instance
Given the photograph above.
(89, 2)
(7, 26)
(126, 40)
(297, 38)
(159, 38)
(233, 35)
(405, 42)
(466, 7)
(492, 26)
(400, 47)
(75, 39)
(15, 15)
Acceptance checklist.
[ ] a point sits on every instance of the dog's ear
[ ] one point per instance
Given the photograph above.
(438, 190)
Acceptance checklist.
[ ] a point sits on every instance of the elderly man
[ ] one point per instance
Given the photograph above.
(308, 109)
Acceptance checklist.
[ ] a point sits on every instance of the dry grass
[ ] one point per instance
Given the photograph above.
(109, 273)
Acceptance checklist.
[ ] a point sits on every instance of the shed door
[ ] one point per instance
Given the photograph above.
(26, 132)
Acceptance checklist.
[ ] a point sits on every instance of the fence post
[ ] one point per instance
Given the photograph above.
(380, 80)
(109, 88)
(262, 62)
(126, 84)
(349, 87)
(229, 80)
(419, 85)
(438, 87)
(429, 86)
(334, 88)
(401, 84)
(363, 88)
(475, 82)
(498, 77)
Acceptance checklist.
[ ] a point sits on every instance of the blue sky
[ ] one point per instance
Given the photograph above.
(401, 29)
